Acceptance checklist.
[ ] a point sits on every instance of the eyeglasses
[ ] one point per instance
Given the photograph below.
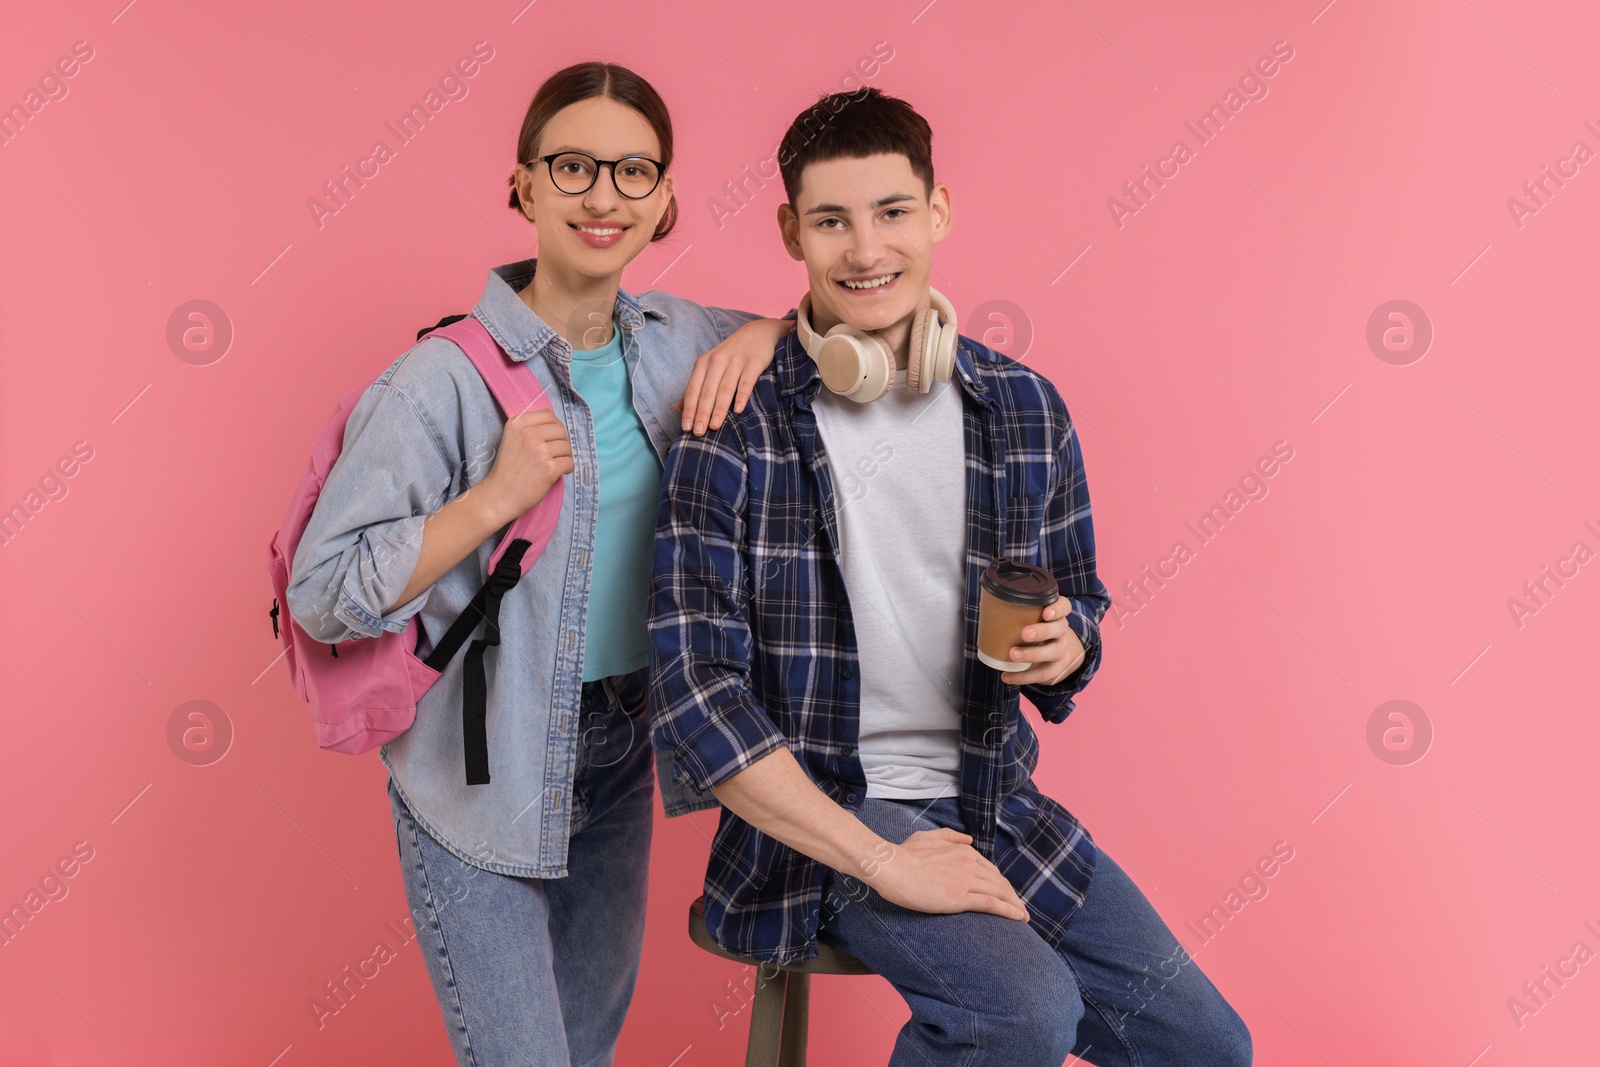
(635, 177)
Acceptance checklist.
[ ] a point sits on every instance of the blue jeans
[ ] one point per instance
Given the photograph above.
(989, 990)
(540, 972)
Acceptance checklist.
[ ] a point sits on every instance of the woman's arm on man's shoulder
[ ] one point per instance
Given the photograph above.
(724, 376)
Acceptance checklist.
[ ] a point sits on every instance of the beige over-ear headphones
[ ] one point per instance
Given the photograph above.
(859, 365)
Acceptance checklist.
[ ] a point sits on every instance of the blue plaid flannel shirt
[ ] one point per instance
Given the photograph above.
(752, 645)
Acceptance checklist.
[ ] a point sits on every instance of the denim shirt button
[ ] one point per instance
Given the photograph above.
(847, 673)
(850, 798)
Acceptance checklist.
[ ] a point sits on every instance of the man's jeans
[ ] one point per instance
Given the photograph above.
(540, 972)
(984, 989)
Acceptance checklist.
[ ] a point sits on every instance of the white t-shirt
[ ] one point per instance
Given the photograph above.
(899, 475)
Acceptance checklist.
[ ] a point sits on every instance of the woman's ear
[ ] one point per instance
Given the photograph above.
(666, 179)
(521, 178)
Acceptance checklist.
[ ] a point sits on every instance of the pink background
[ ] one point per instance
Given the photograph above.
(1228, 314)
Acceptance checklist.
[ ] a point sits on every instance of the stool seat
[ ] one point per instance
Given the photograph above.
(829, 959)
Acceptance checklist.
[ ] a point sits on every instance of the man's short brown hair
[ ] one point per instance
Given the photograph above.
(866, 122)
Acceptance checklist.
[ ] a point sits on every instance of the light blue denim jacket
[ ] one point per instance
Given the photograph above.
(424, 432)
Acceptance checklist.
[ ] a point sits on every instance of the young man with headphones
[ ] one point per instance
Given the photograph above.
(814, 610)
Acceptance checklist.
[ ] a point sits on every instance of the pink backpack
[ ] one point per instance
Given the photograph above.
(363, 692)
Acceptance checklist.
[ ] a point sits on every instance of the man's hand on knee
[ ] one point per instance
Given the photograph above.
(938, 871)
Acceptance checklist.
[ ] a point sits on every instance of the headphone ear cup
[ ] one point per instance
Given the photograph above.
(942, 361)
(918, 357)
(933, 351)
(941, 357)
(841, 362)
(854, 364)
(880, 378)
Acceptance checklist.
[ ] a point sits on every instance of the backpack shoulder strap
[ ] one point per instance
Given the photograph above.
(516, 390)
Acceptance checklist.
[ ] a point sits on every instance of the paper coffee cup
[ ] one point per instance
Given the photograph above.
(1012, 596)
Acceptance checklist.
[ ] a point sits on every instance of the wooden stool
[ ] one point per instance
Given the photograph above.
(782, 1005)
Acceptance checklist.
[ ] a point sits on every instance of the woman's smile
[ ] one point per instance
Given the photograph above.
(600, 234)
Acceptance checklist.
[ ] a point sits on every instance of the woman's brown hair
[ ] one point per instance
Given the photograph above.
(585, 81)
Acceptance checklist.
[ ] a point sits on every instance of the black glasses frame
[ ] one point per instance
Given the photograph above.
(550, 166)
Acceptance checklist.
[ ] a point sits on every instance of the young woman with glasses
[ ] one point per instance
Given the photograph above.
(528, 890)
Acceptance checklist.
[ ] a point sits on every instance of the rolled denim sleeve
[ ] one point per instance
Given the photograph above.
(1068, 552)
(703, 710)
(362, 543)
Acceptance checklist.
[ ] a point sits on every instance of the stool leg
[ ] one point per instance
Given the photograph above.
(796, 1020)
(766, 1020)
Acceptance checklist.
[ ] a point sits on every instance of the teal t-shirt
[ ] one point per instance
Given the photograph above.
(616, 638)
